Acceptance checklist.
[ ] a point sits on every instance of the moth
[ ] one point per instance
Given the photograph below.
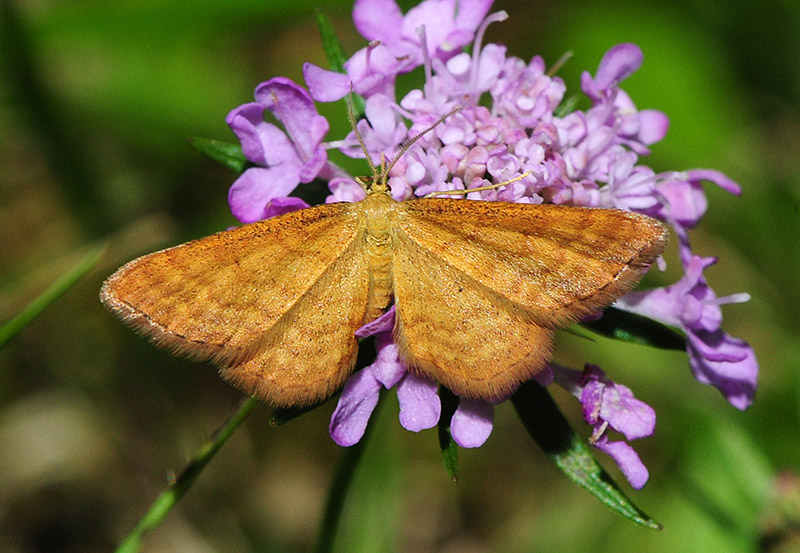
(479, 288)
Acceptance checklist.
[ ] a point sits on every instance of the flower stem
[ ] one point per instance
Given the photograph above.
(340, 486)
(169, 497)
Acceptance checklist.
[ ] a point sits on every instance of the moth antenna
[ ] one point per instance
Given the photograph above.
(384, 171)
(408, 142)
(479, 188)
(351, 115)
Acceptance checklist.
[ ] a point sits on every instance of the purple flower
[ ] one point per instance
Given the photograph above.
(610, 405)
(288, 158)
(525, 93)
(435, 29)
(619, 63)
(506, 125)
(449, 25)
(369, 71)
(683, 201)
(382, 130)
(725, 362)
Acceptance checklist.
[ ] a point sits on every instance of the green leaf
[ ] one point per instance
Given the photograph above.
(630, 327)
(330, 43)
(446, 442)
(229, 155)
(551, 431)
(39, 304)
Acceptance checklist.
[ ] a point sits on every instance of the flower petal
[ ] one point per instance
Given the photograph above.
(356, 403)
(420, 405)
(251, 193)
(626, 414)
(387, 368)
(262, 143)
(605, 401)
(293, 106)
(717, 178)
(472, 422)
(384, 323)
(247, 122)
(281, 205)
(470, 15)
(325, 85)
(685, 202)
(378, 19)
(619, 63)
(653, 125)
(627, 459)
(727, 363)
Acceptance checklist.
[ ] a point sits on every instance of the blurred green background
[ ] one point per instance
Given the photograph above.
(96, 104)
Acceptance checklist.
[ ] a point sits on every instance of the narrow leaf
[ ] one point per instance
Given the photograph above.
(551, 431)
(39, 304)
(630, 327)
(330, 43)
(229, 155)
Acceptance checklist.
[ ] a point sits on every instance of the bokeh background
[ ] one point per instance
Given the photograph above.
(97, 100)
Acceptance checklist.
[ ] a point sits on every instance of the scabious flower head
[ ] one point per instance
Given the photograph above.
(503, 122)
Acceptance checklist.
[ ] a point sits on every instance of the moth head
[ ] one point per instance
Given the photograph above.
(379, 181)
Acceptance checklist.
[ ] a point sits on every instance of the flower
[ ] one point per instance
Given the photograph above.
(288, 158)
(498, 118)
(451, 25)
(610, 405)
(396, 46)
(725, 362)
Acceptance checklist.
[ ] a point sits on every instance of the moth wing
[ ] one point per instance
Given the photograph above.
(452, 329)
(312, 349)
(558, 263)
(480, 286)
(233, 298)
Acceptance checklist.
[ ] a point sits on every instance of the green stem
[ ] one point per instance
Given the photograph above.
(340, 486)
(169, 497)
